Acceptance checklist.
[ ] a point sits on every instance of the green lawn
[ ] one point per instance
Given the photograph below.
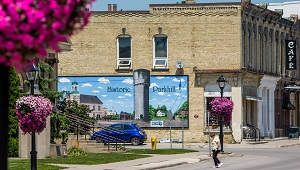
(25, 165)
(91, 158)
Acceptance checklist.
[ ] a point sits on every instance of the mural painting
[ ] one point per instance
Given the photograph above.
(149, 101)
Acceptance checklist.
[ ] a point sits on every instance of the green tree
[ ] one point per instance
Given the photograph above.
(132, 116)
(183, 107)
(58, 120)
(44, 81)
(164, 109)
(115, 117)
(152, 112)
(14, 94)
(78, 115)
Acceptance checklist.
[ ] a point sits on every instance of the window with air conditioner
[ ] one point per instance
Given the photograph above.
(160, 51)
(124, 52)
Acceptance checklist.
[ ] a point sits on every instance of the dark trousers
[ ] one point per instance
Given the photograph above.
(215, 157)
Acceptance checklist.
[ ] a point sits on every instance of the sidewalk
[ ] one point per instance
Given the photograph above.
(161, 161)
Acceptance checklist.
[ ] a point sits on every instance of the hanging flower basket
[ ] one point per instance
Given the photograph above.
(32, 113)
(222, 107)
(29, 27)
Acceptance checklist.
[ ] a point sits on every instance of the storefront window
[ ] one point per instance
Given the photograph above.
(211, 121)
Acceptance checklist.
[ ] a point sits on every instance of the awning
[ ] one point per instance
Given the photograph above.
(253, 98)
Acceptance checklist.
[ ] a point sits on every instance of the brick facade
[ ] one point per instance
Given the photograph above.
(208, 38)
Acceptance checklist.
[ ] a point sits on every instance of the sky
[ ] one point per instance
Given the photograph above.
(124, 100)
(125, 5)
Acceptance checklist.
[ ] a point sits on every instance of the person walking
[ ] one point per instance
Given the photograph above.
(216, 148)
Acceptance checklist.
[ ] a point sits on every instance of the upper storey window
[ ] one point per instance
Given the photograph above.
(160, 51)
(124, 51)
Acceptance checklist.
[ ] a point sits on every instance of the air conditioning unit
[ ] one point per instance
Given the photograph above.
(160, 63)
(124, 63)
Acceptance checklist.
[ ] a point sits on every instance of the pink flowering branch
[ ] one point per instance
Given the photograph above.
(222, 107)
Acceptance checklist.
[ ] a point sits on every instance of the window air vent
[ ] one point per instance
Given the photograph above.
(160, 63)
(124, 63)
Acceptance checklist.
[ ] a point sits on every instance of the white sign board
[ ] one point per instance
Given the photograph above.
(157, 123)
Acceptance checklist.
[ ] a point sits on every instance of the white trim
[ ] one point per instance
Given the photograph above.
(253, 98)
(292, 87)
(217, 94)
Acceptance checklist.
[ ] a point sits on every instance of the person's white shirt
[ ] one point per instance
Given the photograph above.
(216, 143)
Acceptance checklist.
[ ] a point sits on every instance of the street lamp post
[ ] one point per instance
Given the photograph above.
(221, 82)
(31, 74)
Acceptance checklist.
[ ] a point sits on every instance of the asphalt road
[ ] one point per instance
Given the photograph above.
(286, 158)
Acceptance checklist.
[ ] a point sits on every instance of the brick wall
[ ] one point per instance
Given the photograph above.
(206, 37)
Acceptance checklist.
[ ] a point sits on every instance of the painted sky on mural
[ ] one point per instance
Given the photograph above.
(124, 101)
(101, 5)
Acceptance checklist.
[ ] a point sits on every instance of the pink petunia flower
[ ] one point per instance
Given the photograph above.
(34, 119)
(222, 107)
(32, 26)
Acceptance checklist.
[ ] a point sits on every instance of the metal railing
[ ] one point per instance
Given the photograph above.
(87, 127)
(109, 135)
(255, 129)
(80, 125)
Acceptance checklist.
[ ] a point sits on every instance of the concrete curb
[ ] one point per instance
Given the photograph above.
(179, 161)
(165, 166)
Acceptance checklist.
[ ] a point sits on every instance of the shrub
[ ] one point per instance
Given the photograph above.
(74, 151)
(14, 94)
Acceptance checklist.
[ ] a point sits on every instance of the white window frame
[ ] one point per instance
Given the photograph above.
(155, 59)
(120, 60)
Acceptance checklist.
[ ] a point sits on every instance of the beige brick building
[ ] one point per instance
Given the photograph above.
(210, 39)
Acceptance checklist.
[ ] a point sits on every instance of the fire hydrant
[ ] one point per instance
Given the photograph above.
(153, 142)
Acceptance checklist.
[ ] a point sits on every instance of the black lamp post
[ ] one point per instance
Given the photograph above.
(31, 74)
(221, 82)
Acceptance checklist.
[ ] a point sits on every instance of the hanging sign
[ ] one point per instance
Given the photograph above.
(290, 55)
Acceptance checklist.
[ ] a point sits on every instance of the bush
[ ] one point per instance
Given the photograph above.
(74, 151)
(13, 147)
(14, 94)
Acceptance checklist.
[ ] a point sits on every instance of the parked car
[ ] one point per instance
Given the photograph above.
(121, 133)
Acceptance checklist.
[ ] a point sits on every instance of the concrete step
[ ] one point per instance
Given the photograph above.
(87, 141)
(94, 150)
(103, 149)
(93, 147)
